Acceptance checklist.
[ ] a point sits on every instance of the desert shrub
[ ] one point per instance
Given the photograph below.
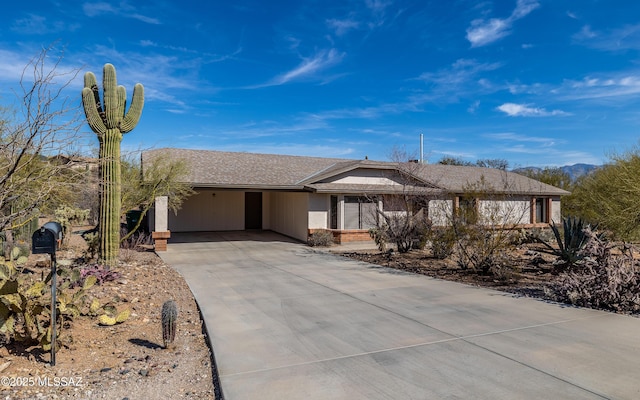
(134, 243)
(605, 277)
(532, 235)
(322, 238)
(505, 272)
(442, 242)
(69, 216)
(137, 241)
(406, 232)
(93, 242)
(379, 236)
(479, 247)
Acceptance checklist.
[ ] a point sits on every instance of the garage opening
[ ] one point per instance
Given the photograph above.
(253, 210)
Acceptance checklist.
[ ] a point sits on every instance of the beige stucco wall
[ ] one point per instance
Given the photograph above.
(365, 176)
(288, 213)
(319, 207)
(556, 211)
(510, 211)
(210, 210)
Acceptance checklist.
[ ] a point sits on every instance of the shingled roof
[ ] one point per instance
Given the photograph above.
(233, 170)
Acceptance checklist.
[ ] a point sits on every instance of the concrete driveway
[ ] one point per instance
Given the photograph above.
(287, 322)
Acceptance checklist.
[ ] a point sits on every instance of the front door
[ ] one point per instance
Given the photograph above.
(253, 210)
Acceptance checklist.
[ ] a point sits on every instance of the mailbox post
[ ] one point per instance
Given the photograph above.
(46, 241)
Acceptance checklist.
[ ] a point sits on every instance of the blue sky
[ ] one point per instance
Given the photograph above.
(535, 82)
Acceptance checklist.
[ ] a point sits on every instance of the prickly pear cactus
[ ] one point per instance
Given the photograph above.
(109, 119)
(169, 318)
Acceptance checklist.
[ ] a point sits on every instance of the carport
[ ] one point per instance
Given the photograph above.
(288, 322)
(215, 209)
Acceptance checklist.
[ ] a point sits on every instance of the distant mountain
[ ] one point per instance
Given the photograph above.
(577, 170)
(574, 171)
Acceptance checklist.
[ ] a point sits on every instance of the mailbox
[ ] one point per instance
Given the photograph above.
(46, 239)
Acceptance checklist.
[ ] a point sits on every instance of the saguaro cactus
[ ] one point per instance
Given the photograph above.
(109, 119)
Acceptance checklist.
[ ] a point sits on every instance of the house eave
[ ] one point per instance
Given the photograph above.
(249, 187)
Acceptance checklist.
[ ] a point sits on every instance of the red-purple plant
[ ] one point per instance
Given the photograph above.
(102, 273)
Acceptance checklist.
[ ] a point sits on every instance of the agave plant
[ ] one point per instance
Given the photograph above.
(571, 241)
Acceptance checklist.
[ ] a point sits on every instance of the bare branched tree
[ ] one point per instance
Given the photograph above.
(403, 218)
(34, 132)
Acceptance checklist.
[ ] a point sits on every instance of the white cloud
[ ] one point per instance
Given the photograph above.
(342, 26)
(524, 110)
(458, 80)
(622, 85)
(473, 107)
(585, 33)
(377, 6)
(483, 32)
(95, 9)
(123, 10)
(308, 69)
(523, 8)
(462, 71)
(624, 38)
(378, 9)
(39, 25)
(514, 137)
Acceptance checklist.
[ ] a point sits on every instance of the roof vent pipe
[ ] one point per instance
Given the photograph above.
(421, 148)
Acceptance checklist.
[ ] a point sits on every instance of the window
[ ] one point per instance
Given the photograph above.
(467, 210)
(360, 212)
(334, 212)
(542, 210)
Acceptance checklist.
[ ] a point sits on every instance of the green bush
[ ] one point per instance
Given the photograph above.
(442, 242)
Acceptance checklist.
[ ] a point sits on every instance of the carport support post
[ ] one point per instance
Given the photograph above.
(161, 232)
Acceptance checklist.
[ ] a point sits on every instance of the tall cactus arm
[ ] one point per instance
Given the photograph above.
(91, 110)
(135, 110)
(122, 102)
(112, 105)
(91, 82)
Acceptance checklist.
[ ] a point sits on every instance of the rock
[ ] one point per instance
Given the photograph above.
(5, 366)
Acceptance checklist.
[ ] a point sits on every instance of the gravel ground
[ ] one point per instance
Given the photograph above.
(125, 361)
